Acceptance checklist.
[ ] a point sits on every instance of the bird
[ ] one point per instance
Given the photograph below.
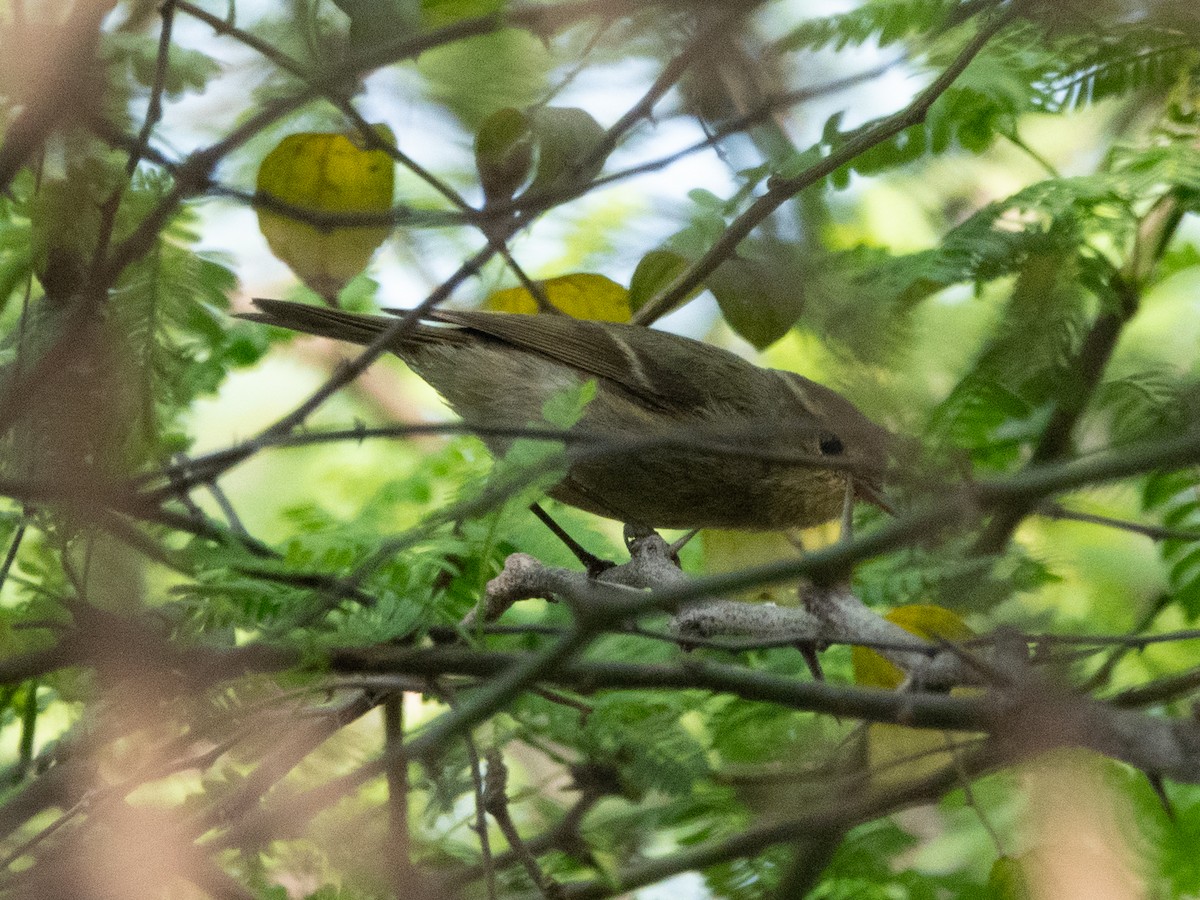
(678, 434)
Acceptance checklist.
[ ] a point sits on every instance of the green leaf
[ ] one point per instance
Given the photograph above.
(503, 153)
(654, 274)
(567, 141)
(760, 300)
(1006, 880)
(1118, 61)
(188, 70)
(475, 76)
(377, 21)
(671, 762)
(443, 12)
(884, 21)
(566, 407)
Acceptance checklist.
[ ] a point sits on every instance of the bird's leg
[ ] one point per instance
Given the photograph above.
(809, 653)
(635, 533)
(591, 562)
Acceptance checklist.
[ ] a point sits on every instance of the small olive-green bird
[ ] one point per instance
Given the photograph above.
(681, 434)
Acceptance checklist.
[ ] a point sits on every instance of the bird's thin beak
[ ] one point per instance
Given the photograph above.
(872, 493)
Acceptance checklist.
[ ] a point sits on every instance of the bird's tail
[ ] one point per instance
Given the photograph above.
(356, 328)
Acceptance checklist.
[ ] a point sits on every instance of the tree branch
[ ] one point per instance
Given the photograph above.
(781, 189)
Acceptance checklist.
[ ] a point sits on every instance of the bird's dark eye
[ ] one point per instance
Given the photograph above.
(831, 445)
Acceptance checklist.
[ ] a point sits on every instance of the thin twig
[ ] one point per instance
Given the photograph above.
(487, 860)
(227, 510)
(780, 189)
(563, 835)
(29, 714)
(1104, 673)
(1053, 510)
(1162, 690)
(154, 108)
(496, 800)
(11, 555)
(398, 853)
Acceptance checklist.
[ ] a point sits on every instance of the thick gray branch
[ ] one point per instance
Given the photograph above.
(828, 615)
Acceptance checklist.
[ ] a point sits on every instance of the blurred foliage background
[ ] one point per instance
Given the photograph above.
(210, 670)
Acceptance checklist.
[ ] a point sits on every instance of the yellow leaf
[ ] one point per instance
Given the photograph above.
(325, 173)
(898, 754)
(1007, 881)
(922, 619)
(581, 296)
(732, 551)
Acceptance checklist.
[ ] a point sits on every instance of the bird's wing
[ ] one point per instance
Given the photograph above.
(583, 345)
(675, 374)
